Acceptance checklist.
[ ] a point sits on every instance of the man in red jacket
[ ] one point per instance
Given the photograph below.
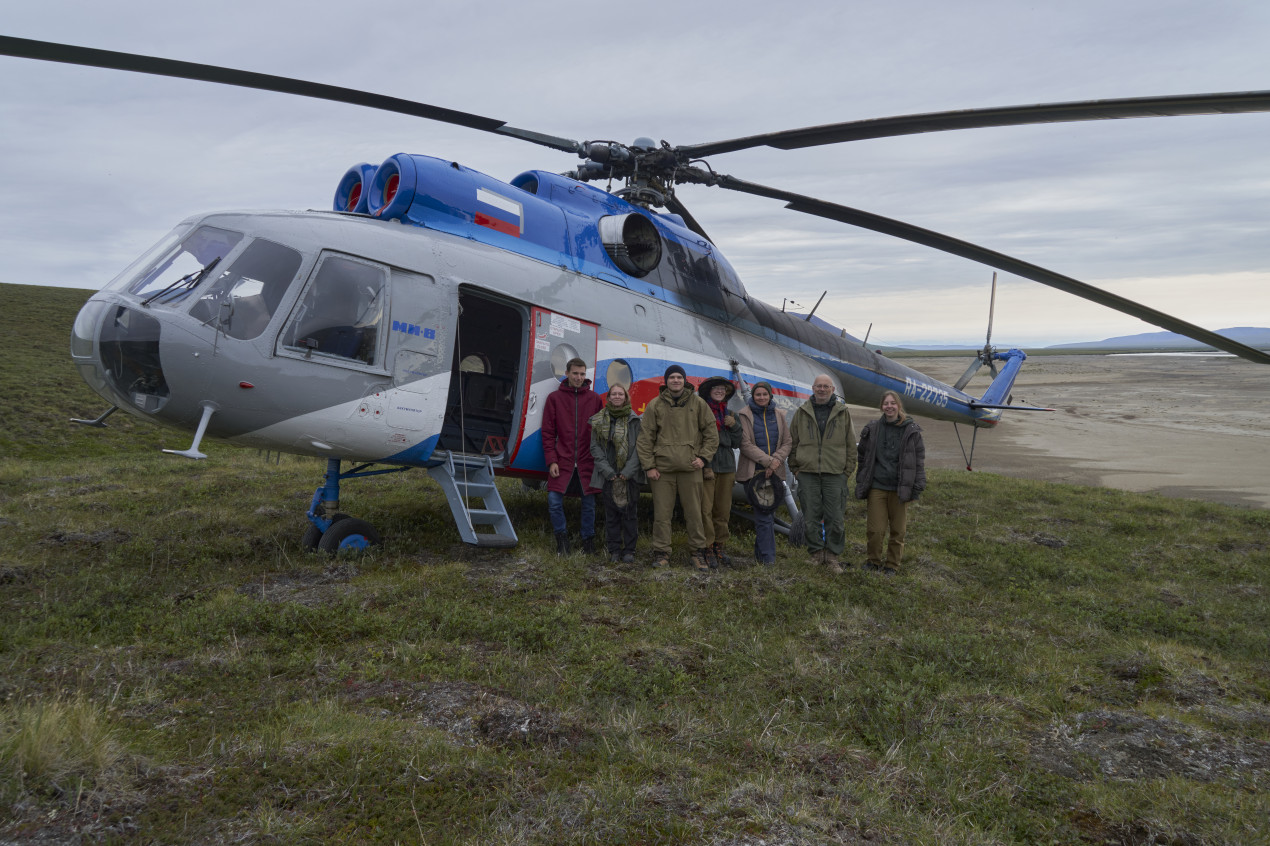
(566, 445)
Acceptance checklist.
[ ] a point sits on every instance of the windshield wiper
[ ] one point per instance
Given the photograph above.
(189, 281)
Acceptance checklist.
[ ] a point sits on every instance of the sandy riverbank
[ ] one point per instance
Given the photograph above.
(1196, 427)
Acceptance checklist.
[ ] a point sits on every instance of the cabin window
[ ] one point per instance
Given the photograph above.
(341, 314)
(172, 269)
(244, 297)
(619, 373)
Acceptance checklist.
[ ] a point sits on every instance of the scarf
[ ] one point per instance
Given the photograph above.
(720, 410)
(611, 422)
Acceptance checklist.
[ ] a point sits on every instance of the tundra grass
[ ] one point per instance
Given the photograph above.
(1055, 664)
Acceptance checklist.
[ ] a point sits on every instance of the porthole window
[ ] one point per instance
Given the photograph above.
(560, 356)
(619, 373)
(474, 363)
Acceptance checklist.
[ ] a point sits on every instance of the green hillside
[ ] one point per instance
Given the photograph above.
(1056, 664)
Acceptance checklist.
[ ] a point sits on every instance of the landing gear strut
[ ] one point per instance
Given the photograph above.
(339, 531)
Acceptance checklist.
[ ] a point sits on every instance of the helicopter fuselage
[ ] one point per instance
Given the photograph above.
(385, 339)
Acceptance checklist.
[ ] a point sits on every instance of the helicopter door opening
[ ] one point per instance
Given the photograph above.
(557, 338)
(489, 346)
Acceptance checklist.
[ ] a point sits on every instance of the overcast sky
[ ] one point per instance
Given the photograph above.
(96, 165)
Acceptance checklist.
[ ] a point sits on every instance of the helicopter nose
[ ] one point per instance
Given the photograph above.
(116, 350)
(84, 345)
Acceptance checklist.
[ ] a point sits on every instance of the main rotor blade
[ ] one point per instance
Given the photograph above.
(675, 207)
(858, 130)
(47, 51)
(925, 237)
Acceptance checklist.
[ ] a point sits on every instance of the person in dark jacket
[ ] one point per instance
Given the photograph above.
(765, 444)
(566, 446)
(891, 473)
(614, 430)
(720, 474)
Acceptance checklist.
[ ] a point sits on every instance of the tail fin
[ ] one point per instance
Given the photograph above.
(998, 393)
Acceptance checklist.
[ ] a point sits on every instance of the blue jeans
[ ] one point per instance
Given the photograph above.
(764, 536)
(555, 508)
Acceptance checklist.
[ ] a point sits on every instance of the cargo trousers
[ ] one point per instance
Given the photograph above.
(687, 487)
(824, 498)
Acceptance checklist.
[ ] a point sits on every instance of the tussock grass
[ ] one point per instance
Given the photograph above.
(50, 746)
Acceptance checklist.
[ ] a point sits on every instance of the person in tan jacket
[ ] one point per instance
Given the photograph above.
(676, 439)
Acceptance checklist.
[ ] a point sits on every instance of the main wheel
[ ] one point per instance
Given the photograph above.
(313, 534)
(348, 534)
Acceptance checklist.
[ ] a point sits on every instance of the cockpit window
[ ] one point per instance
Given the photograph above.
(176, 268)
(341, 314)
(244, 297)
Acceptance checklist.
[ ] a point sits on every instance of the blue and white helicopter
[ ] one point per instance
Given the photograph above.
(422, 321)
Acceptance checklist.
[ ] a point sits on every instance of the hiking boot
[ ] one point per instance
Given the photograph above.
(832, 564)
(872, 567)
(711, 561)
(661, 559)
(699, 562)
(588, 545)
(628, 558)
(562, 543)
(721, 554)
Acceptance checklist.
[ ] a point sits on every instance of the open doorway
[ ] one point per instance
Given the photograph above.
(488, 349)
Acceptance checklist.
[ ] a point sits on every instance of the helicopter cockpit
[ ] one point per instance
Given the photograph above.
(341, 313)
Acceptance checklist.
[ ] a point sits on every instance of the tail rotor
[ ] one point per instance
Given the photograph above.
(984, 356)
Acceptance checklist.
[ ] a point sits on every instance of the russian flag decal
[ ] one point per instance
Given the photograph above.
(502, 214)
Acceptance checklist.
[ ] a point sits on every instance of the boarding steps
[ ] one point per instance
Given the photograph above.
(465, 478)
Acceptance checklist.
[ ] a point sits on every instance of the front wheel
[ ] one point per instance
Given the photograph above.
(348, 534)
(313, 535)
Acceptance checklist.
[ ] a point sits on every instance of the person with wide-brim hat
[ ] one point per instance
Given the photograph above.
(765, 445)
(719, 475)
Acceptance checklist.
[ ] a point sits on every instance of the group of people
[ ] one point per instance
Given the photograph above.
(685, 447)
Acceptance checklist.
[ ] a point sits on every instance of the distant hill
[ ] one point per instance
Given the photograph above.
(1257, 337)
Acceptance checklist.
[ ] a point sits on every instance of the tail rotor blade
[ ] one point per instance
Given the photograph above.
(992, 307)
(969, 374)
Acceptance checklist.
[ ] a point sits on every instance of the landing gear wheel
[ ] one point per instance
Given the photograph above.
(348, 534)
(313, 534)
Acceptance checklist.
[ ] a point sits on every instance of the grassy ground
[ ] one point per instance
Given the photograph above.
(1055, 665)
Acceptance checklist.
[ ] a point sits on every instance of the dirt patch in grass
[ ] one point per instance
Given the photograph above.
(1125, 746)
(105, 537)
(310, 589)
(468, 712)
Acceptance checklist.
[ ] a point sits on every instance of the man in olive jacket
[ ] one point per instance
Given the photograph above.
(823, 458)
(677, 437)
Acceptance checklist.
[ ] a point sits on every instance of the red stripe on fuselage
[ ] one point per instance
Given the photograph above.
(512, 229)
(643, 391)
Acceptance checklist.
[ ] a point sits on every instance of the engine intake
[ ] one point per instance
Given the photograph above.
(632, 242)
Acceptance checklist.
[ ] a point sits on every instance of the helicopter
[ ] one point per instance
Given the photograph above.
(422, 320)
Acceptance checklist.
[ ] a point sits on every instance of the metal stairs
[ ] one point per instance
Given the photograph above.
(465, 478)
